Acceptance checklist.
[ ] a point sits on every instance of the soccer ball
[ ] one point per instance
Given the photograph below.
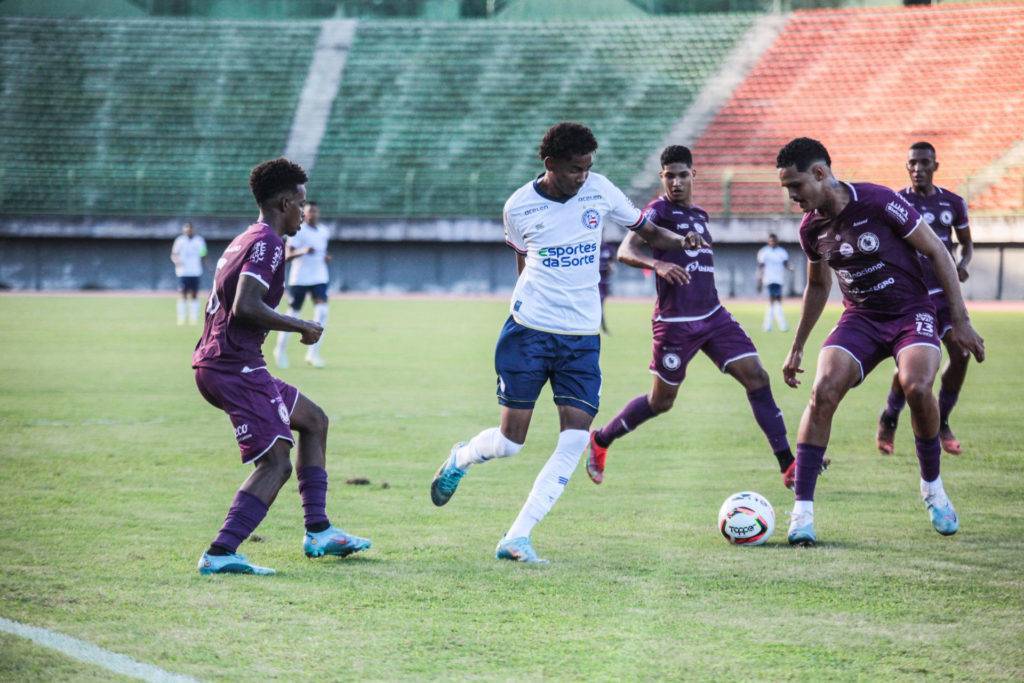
(746, 518)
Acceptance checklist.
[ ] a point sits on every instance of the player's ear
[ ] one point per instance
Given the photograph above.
(818, 171)
(549, 164)
(935, 166)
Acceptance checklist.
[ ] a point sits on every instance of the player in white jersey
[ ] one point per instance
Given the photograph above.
(308, 275)
(772, 266)
(187, 255)
(554, 223)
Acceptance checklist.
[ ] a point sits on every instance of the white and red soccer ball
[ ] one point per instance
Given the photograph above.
(746, 518)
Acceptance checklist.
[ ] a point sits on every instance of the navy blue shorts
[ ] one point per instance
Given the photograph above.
(188, 284)
(775, 291)
(297, 294)
(525, 359)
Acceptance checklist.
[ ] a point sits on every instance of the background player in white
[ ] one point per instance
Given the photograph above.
(308, 275)
(554, 224)
(772, 266)
(187, 254)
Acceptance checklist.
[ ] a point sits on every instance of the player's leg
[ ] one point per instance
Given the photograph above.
(192, 294)
(767, 325)
(949, 391)
(322, 537)
(520, 361)
(838, 371)
(889, 419)
(576, 385)
(749, 372)
(918, 364)
(320, 317)
(296, 297)
(674, 346)
(602, 288)
(182, 302)
(639, 410)
(776, 307)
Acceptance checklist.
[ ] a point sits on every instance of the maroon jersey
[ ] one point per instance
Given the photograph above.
(230, 344)
(878, 271)
(699, 298)
(944, 211)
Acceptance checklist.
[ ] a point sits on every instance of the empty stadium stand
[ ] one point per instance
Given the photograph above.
(868, 83)
(143, 117)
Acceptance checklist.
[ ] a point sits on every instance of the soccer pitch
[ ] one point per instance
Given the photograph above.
(115, 474)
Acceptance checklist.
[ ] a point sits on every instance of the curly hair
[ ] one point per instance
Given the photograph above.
(566, 140)
(676, 154)
(802, 152)
(271, 178)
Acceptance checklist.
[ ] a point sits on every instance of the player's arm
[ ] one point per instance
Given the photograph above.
(520, 263)
(175, 258)
(250, 307)
(291, 252)
(634, 252)
(666, 240)
(963, 334)
(760, 275)
(963, 236)
(819, 284)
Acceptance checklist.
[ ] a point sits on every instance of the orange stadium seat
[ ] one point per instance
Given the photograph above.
(868, 83)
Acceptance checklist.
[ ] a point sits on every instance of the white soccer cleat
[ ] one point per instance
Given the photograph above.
(281, 358)
(315, 360)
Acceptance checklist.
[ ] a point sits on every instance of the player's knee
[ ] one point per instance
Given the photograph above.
(661, 404)
(505, 447)
(824, 399)
(756, 379)
(917, 390)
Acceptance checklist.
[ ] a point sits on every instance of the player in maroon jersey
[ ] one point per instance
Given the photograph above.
(945, 212)
(232, 375)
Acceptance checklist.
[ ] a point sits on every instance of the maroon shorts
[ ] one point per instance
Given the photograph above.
(259, 405)
(719, 336)
(870, 339)
(944, 321)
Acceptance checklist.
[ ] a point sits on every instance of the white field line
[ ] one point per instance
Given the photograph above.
(91, 654)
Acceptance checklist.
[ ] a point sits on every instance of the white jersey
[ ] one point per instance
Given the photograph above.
(189, 252)
(774, 260)
(561, 239)
(310, 269)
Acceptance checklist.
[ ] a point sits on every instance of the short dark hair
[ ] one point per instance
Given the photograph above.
(676, 154)
(566, 140)
(773, 236)
(802, 152)
(271, 178)
(924, 145)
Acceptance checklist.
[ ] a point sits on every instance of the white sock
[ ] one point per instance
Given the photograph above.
(486, 445)
(780, 317)
(181, 311)
(320, 317)
(193, 310)
(932, 488)
(282, 337)
(802, 507)
(768, 318)
(550, 482)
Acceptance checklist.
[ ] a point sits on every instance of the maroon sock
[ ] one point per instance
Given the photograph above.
(947, 399)
(246, 513)
(808, 467)
(632, 416)
(313, 491)
(894, 405)
(928, 455)
(769, 418)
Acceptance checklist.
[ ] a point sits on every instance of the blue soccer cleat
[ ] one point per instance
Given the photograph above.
(801, 530)
(230, 564)
(942, 514)
(447, 479)
(518, 550)
(333, 541)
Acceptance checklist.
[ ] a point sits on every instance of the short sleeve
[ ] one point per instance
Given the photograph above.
(622, 210)
(263, 260)
(513, 238)
(805, 239)
(898, 214)
(962, 221)
(760, 255)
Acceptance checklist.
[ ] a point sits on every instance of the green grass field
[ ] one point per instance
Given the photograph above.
(115, 474)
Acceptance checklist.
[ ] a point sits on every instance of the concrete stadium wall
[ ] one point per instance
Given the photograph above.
(432, 257)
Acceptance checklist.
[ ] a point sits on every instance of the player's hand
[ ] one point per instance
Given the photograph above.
(672, 273)
(760, 286)
(961, 272)
(693, 241)
(792, 368)
(311, 332)
(964, 336)
(327, 258)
